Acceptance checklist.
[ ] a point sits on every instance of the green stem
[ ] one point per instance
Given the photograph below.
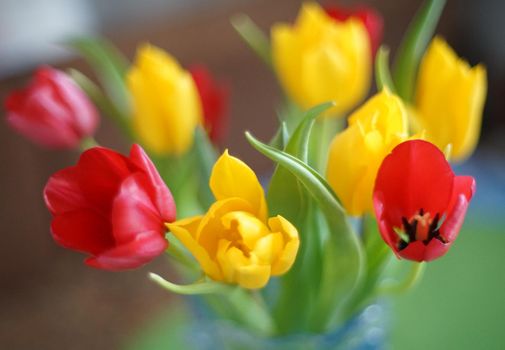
(253, 36)
(413, 46)
(87, 143)
(411, 280)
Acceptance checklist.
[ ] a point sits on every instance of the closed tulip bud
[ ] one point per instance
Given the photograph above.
(52, 111)
(449, 100)
(234, 242)
(214, 99)
(319, 59)
(419, 203)
(111, 207)
(166, 104)
(357, 152)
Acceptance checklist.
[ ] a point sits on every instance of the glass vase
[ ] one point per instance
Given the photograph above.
(366, 331)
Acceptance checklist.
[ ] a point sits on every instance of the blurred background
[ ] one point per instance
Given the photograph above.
(50, 300)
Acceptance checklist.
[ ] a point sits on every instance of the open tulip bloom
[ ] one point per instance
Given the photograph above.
(307, 253)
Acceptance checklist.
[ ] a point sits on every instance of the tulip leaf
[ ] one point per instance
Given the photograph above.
(206, 157)
(253, 36)
(244, 306)
(204, 287)
(382, 73)
(287, 197)
(343, 257)
(413, 45)
(378, 255)
(110, 67)
(100, 100)
(281, 137)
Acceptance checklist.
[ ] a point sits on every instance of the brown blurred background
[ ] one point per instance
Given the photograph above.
(48, 299)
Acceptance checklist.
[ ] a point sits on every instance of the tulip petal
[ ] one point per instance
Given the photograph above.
(291, 244)
(100, 186)
(211, 228)
(139, 251)
(185, 230)
(62, 192)
(418, 251)
(68, 94)
(233, 178)
(162, 196)
(464, 188)
(133, 211)
(36, 115)
(414, 176)
(82, 230)
(253, 276)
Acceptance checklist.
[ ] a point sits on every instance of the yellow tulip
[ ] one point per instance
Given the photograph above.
(357, 152)
(166, 103)
(234, 242)
(449, 99)
(319, 59)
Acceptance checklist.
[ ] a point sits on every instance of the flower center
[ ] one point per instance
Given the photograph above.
(420, 227)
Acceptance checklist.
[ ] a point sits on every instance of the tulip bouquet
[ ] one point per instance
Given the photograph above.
(355, 183)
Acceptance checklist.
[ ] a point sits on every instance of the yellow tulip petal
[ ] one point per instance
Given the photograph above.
(185, 231)
(319, 59)
(233, 178)
(357, 152)
(166, 104)
(287, 256)
(253, 276)
(450, 99)
(248, 227)
(211, 228)
(269, 247)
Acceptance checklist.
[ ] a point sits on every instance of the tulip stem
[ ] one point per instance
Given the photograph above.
(88, 143)
(411, 280)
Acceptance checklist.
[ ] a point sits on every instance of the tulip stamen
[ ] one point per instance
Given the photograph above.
(420, 227)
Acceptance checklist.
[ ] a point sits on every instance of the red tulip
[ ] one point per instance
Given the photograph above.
(112, 207)
(214, 98)
(52, 111)
(419, 203)
(370, 17)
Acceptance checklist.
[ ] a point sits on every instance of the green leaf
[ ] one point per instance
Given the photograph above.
(109, 66)
(206, 157)
(378, 255)
(281, 137)
(205, 287)
(253, 36)
(413, 45)
(287, 197)
(382, 73)
(343, 259)
(100, 100)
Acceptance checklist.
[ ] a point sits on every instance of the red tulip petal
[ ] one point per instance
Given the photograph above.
(62, 193)
(214, 97)
(100, 173)
(35, 114)
(145, 247)
(415, 175)
(133, 210)
(82, 230)
(418, 251)
(161, 195)
(464, 188)
(83, 117)
(371, 19)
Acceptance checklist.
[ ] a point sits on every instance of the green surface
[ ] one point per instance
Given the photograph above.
(460, 303)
